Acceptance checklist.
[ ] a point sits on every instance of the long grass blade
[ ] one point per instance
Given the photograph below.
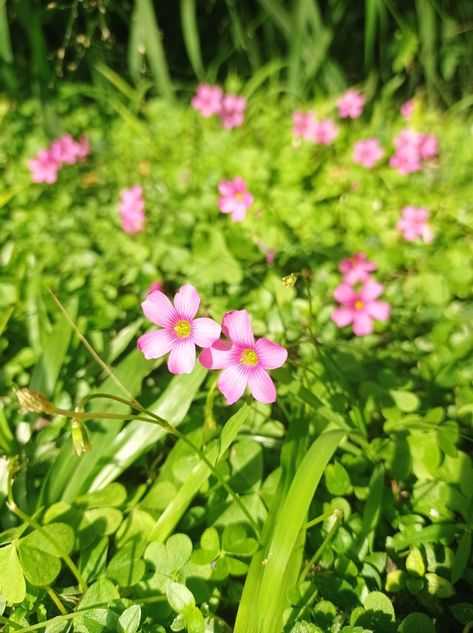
(190, 32)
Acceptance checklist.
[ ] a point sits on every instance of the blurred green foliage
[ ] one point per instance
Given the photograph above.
(303, 47)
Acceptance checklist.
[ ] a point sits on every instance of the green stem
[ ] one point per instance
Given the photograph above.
(14, 625)
(34, 524)
(327, 540)
(319, 519)
(55, 598)
(172, 430)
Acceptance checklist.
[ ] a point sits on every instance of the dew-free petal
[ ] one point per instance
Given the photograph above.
(158, 309)
(155, 344)
(239, 328)
(182, 358)
(261, 386)
(270, 355)
(232, 383)
(205, 331)
(187, 302)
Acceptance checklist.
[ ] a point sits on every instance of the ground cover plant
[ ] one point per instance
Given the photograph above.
(310, 469)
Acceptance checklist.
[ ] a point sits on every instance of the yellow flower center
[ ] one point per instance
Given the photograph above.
(239, 196)
(182, 329)
(359, 305)
(249, 357)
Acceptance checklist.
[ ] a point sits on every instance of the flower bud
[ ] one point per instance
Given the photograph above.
(34, 401)
(80, 439)
(290, 280)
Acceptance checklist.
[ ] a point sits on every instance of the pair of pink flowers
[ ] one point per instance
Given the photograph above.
(209, 100)
(63, 151)
(359, 306)
(350, 105)
(368, 153)
(234, 198)
(244, 361)
(412, 149)
(413, 224)
(306, 126)
(132, 209)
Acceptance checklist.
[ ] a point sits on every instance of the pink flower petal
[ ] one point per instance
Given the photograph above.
(155, 344)
(217, 356)
(205, 331)
(344, 293)
(261, 386)
(239, 328)
(379, 310)
(270, 355)
(362, 324)
(342, 316)
(158, 309)
(182, 357)
(371, 290)
(187, 302)
(232, 383)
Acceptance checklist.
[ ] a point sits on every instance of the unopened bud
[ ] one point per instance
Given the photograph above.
(34, 401)
(290, 280)
(80, 439)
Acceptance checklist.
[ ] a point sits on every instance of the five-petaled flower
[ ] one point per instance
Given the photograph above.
(413, 224)
(44, 167)
(234, 198)
(245, 362)
(207, 100)
(368, 152)
(356, 269)
(360, 307)
(180, 331)
(350, 105)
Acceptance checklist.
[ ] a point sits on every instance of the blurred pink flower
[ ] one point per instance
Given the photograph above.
(155, 285)
(360, 308)
(428, 146)
(244, 361)
(180, 331)
(232, 111)
(131, 209)
(406, 161)
(270, 256)
(207, 100)
(407, 109)
(350, 105)
(44, 167)
(325, 132)
(368, 152)
(304, 125)
(235, 198)
(64, 149)
(413, 224)
(356, 269)
(82, 148)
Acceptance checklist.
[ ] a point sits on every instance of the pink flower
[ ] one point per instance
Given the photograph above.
(244, 361)
(413, 224)
(44, 167)
(270, 256)
(180, 331)
(132, 209)
(324, 132)
(155, 285)
(407, 109)
(64, 149)
(360, 308)
(350, 105)
(68, 151)
(207, 100)
(428, 146)
(368, 153)
(304, 125)
(406, 161)
(235, 198)
(232, 112)
(356, 269)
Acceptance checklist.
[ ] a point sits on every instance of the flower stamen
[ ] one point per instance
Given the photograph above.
(249, 358)
(183, 329)
(359, 305)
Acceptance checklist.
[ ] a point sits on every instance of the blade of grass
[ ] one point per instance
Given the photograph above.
(190, 32)
(148, 28)
(272, 595)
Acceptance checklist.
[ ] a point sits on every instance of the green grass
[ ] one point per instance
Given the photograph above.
(359, 479)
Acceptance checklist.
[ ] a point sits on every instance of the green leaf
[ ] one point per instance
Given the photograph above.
(377, 601)
(12, 583)
(125, 568)
(194, 621)
(100, 593)
(415, 562)
(463, 612)
(417, 623)
(405, 400)
(438, 586)
(179, 597)
(39, 556)
(337, 480)
(113, 495)
(129, 621)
